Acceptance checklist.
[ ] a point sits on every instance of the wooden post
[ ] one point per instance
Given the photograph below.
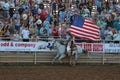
(35, 58)
(103, 56)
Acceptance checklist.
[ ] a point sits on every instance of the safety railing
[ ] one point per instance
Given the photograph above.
(57, 38)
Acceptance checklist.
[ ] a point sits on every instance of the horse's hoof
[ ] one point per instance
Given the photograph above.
(74, 64)
(52, 62)
(60, 62)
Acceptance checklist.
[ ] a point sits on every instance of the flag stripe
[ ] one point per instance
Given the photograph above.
(90, 26)
(90, 29)
(88, 38)
(84, 34)
(85, 30)
(90, 22)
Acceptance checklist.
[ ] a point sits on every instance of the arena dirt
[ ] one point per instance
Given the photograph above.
(79, 72)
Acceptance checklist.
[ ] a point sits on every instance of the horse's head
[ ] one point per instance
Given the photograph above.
(53, 44)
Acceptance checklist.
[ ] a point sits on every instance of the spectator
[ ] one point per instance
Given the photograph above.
(101, 23)
(116, 36)
(25, 34)
(16, 15)
(55, 32)
(17, 2)
(12, 25)
(35, 11)
(41, 5)
(68, 16)
(16, 36)
(49, 17)
(31, 19)
(54, 7)
(21, 10)
(47, 25)
(50, 30)
(6, 32)
(62, 31)
(26, 6)
(17, 24)
(61, 8)
(6, 7)
(24, 18)
(43, 31)
(102, 33)
(116, 24)
(12, 10)
(108, 34)
(1, 33)
(35, 34)
(43, 16)
(39, 24)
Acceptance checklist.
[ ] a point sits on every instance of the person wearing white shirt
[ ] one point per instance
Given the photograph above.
(108, 34)
(25, 34)
(6, 7)
(38, 1)
(116, 36)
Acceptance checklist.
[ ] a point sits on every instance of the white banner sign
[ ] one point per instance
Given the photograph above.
(112, 48)
(25, 46)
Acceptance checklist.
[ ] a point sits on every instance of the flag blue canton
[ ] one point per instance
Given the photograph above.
(78, 21)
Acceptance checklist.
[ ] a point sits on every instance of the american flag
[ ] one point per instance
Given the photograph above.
(85, 29)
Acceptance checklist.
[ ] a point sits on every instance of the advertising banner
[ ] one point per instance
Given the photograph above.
(92, 47)
(25, 46)
(112, 48)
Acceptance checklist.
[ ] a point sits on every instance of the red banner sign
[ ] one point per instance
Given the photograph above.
(97, 47)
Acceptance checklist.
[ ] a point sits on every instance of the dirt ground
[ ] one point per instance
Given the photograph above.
(79, 72)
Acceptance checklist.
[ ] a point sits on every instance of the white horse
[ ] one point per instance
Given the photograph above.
(61, 49)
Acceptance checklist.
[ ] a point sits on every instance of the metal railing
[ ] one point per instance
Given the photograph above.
(57, 38)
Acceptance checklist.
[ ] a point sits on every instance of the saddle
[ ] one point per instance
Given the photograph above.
(73, 47)
(71, 50)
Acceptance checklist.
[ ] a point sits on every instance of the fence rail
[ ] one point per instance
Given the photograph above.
(47, 58)
(2, 38)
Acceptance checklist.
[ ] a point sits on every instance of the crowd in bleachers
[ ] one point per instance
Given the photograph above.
(24, 19)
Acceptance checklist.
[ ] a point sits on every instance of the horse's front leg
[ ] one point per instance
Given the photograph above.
(70, 60)
(70, 57)
(61, 57)
(55, 58)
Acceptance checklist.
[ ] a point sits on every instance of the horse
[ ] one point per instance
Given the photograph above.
(61, 50)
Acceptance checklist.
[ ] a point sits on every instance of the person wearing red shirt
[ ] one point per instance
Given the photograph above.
(43, 15)
(55, 32)
(30, 1)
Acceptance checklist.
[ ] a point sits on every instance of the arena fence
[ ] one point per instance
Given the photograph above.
(35, 58)
(20, 52)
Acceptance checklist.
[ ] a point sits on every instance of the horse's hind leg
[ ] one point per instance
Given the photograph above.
(75, 60)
